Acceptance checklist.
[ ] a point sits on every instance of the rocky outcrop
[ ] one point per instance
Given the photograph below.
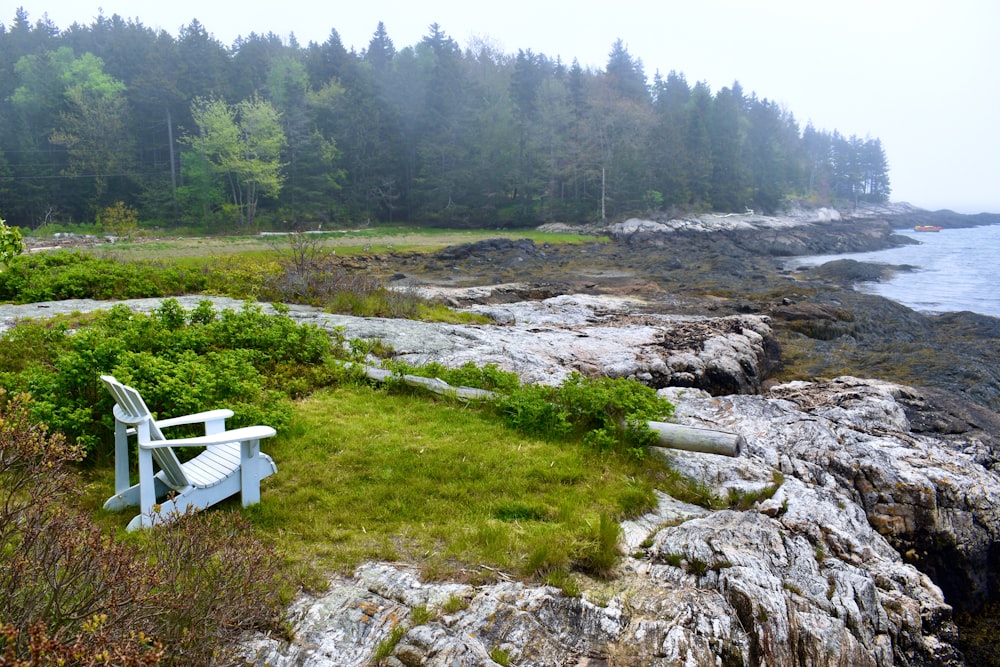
(829, 570)
(884, 515)
(544, 341)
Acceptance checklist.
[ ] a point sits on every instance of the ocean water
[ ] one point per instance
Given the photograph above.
(957, 269)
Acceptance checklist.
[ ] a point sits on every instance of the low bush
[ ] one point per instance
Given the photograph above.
(182, 362)
(55, 276)
(69, 594)
(605, 413)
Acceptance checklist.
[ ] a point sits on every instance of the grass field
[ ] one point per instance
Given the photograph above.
(379, 239)
(366, 473)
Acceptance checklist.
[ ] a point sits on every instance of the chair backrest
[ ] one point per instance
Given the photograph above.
(131, 409)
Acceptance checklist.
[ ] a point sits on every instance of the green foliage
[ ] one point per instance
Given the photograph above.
(601, 552)
(607, 413)
(371, 474)
(489, 377)
(311, 275)
(119, 219)
(421, 615)
(243, 145)
(73, 275)
(564, 581)
(386, 646)
(181, 362)
(499, 656)
(454, 603)
(697, 566)
(743, 499)
(11, 242)
(386, 134)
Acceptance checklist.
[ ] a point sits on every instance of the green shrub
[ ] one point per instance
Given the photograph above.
(606, 413)
(181, 362)
(11, 242)
(55, 276)
(489, 377)
(119, 219)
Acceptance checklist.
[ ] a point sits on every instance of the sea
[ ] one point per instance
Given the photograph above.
(954, 269)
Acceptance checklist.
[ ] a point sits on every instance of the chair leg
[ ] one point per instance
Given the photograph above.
(147, 482)
(121, 458)
(249, 472)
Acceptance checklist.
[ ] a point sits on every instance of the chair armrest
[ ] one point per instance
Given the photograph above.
(236, 435)
(198, 418)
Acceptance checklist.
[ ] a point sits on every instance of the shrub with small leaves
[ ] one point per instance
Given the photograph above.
(53, 276)
(11, 242)
(606, 413)
(182, 363)
(119, 219)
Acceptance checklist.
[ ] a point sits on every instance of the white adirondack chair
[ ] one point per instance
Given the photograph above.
(231, 463)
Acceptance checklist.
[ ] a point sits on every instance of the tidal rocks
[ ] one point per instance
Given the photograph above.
(544, 341)
(820, 232)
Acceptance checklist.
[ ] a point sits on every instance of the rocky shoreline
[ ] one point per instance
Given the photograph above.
(736, 265)
(831, 570)
(881, 539)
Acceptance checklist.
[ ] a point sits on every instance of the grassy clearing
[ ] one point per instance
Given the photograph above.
(366, 474)
(373, 240)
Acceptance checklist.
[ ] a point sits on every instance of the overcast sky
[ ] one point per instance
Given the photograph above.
(921, 75)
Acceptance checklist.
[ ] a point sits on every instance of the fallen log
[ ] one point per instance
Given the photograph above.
(436, 385)
(694, 439)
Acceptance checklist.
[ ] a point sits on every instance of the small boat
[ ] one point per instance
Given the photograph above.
(927, 228)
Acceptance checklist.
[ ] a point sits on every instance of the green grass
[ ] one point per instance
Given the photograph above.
(373, 240)
(369, 475)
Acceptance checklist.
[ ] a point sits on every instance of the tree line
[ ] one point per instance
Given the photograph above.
(267, 132)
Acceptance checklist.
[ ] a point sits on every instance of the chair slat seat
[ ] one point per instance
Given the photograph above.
(213, 465)
(231, 462)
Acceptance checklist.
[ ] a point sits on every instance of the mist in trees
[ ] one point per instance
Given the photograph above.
(267, 132)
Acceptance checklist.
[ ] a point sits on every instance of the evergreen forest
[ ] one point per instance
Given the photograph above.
(268, 133)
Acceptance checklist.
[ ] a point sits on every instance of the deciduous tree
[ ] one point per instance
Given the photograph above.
(243, 144)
